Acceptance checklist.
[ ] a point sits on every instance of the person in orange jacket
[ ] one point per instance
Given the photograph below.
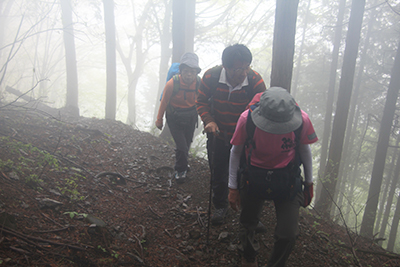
(178, 102)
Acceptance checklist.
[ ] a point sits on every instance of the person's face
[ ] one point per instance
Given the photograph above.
(188, 75)
(237, 73)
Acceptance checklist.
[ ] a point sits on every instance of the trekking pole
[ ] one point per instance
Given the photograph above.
(213, 142)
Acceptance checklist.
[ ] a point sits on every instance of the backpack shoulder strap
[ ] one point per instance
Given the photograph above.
(250, 129)
(250, 76)
(244, 163)
(216, 71)
(250, 88)
(215, 74)
(198, 82)
(214, 80)
(297, 134)
(249, 143)
(177, 85)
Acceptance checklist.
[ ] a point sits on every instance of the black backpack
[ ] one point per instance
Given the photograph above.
(270, 190)
(250, 143)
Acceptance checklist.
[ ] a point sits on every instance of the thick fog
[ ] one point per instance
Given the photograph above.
(33, 61)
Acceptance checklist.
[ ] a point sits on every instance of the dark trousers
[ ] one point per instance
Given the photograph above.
(219, 151)
(183, 137)
(286, 230)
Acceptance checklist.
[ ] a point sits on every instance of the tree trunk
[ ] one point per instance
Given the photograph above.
(300, 58)
(383, 199)
(183, 16)
(330, 98)
(324, 204)
(190, 25)
(390, 178)
(348, 153)
(134, 78)
(283, 44)
(165, 40)
(178, 29)
(368, 221)
(389, 199)
(395, 226)
(70, 58)
(355, 170)
(111, 62)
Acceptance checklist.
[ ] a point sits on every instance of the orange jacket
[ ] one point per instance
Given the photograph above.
(179, 100)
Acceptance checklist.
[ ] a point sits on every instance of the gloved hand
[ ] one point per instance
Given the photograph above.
(212, 127)
(308, 193)
(234, 199)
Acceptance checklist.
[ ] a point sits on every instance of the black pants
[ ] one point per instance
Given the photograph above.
(220, 151)
(286, 230)
(183, 137)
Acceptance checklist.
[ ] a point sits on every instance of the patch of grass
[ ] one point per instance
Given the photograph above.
(70, 186)
(31, 161)
(72, 214)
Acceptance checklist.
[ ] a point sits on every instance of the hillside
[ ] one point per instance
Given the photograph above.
(90, 192)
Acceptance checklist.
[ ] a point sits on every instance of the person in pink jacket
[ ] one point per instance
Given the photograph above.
(281, 139)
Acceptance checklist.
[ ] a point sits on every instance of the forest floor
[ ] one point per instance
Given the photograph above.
(60, 204)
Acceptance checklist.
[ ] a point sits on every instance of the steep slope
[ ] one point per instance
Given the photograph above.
(90, 192)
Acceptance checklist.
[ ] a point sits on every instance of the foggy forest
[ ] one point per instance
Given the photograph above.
(109, 60)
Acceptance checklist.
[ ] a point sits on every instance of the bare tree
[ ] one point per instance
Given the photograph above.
(137, 51)
(70, 58)
(324, 203)
(111, 63)
(4, 10)
(368, 221)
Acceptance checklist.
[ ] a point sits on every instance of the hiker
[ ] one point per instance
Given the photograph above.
(276, 136)
(178, 101)
(224, 94)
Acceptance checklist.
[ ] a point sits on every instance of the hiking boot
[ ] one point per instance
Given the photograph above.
(260, 228)
(219, 216)
(246, 263)
(180, 177)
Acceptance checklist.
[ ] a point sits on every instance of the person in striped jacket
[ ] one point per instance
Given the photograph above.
(224, 93)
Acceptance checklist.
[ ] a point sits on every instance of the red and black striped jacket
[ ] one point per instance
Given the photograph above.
(215, 103)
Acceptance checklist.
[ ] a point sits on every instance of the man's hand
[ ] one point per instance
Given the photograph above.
(308, 193)
(212, 127)
(234, 199)
(159, 124)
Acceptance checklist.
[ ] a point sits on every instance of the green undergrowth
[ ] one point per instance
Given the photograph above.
(31, 165)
